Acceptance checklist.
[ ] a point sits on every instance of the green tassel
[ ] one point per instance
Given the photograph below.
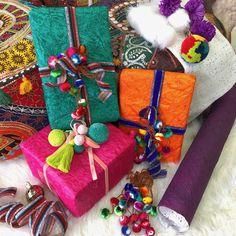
(5, 99)
(61, 158)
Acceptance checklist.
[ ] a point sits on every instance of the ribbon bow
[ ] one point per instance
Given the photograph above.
(73, 65)
(61, 159)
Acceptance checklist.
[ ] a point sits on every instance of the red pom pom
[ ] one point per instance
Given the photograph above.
(187, 43)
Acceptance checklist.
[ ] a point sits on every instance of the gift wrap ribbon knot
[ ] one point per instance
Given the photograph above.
(150, 114)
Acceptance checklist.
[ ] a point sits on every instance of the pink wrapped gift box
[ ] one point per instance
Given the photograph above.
(77, 190)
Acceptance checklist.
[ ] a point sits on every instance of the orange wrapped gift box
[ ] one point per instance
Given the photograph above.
(169, 92)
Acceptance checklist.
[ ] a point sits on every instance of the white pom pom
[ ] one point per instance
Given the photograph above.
(82, 129)
(151, 25)
(79, 140)
(179, 20)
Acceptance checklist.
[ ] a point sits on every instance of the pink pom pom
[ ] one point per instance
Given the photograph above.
(82, 129)
(79, 140)
(71, 51)
(52, 60)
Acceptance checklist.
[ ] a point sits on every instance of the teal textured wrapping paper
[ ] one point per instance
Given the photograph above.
(49, 30)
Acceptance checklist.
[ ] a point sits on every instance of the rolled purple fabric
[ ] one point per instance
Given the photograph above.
(182, 197)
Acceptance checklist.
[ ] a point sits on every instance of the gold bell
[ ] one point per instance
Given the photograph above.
(33, 191)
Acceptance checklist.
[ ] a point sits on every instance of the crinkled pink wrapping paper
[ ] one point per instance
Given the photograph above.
(77, 190)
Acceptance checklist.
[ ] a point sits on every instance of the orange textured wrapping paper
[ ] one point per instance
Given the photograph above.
(176, 95)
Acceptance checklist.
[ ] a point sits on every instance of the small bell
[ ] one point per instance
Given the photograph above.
(33, 191)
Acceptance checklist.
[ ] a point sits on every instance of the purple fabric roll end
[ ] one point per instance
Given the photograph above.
(183, 195)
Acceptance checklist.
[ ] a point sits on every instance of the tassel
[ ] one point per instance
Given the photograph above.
(5, 99)
(61, 159)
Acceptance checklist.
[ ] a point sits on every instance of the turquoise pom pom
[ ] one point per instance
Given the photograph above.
(78, 149)
(98, 132)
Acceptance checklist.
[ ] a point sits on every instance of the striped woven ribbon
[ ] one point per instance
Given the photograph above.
(40, 214)
(72, 69)
(150, 113)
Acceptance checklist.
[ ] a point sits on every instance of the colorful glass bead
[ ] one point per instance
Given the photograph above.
(76, 59)
(147, 208)
(79, 83)
(83, 59)
(153, 211)
(138, 206)
(145, 224)
(79, 113)
(71, 51)
(158, 125)
(73, 91)
(168, 133)
(133, 218)
(82, 49)
(144, 191)
(125, 230)
(133, 194)
(129, 187)
(105, 213)
(139, 159)
(122, 203)
(52, 61)
(60, 55)
(55, 73)
(143, 216)
(114, 201)
(147, 200)
(150, 231)
(65, 87)
(136, 228)
(33, 191)
(118, 211)
(124, 220)
(82, 102)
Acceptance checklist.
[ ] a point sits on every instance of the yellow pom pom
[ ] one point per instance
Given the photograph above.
(25, 86)
(56, 137)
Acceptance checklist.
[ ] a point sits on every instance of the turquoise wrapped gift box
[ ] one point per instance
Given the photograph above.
(50, 36)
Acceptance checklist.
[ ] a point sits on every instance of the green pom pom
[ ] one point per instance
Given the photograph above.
(98, 132)
(56, 137)
(79, 149)
(5, 99)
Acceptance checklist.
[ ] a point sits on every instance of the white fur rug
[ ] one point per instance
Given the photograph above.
(216, 215)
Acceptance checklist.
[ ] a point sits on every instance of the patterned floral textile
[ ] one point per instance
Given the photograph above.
(27, 113)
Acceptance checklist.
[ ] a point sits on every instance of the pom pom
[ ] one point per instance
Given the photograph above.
(194, 49)
(195, 9)
(168, 7)
(154, 28)
(98, 132)
(56, 137)
(78, 149)
(203, 28)
(179, 20)
(79, 140)
(52, 61)
(65, 87)
(61, 158)
(71, 51)
(82, 129)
